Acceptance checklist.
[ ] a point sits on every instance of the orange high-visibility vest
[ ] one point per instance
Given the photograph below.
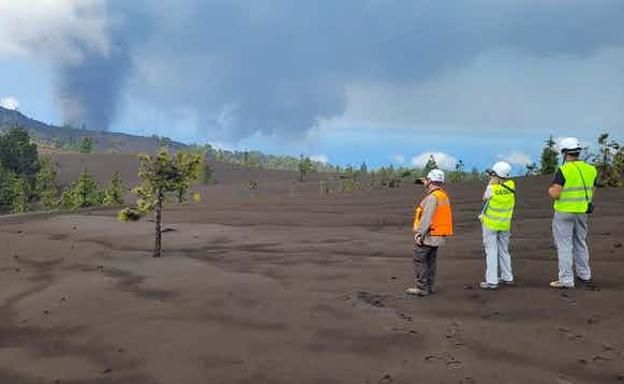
(442, 222)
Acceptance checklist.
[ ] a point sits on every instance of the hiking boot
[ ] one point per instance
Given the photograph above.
(559, 285)
(417, 292)
(506, 282)
(484, 285)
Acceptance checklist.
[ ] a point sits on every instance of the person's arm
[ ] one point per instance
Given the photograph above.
(555, 191)
(488, 193)
(557, 185)
(429, 206)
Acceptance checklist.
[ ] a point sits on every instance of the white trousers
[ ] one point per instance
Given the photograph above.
(570, 233)
(497, 255)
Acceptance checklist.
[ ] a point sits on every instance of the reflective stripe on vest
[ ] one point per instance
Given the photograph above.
(442, 220)
(575, 196)
(499, 210)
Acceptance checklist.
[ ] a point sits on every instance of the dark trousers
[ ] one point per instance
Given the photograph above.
(425, 266)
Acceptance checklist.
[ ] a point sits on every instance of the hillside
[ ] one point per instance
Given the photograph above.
(52, 137)
(104, 142)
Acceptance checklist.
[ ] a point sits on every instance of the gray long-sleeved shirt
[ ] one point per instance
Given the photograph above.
(429, 205)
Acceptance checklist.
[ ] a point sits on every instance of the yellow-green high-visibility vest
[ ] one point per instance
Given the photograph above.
(578, 190)
(499, 210)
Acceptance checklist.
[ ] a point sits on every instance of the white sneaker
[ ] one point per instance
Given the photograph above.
(417, 292)
(559, 285)
(484, 285)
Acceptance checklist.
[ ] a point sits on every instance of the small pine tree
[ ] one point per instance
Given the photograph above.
(618, 161)
(350, 173)
(475, 174)
(7, 178)
(431, 164)
(532, 169)
(58, 142)
(459, 173)
(162, 175)
(20, 195)
(189, 166)
(363, 169)
(305, 167)
(549, 158)
(45, 184)
(67, 199)
(18, 153)
(608, 162)
(114, 195)
(83, 193)
(207, 174)
(85, 145)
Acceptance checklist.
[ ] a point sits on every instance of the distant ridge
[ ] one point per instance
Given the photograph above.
(104, 142)
(123, 143)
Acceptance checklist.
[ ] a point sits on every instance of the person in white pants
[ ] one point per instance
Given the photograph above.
(500, 198)
(572, 191)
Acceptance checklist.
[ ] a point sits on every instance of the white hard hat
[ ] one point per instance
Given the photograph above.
(502, 169)
(570, 144)
(436, 175)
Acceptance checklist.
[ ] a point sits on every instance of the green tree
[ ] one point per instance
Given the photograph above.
(67, 199)
(83, 193)
(475, 174)
(207, 174)
(305, 167)
(363, 169)
(549, 161)
(189, 167)
(459, 173)
(608, 162)
(18, 153)
(58, 142)
(7, 178)
(618, 161)
(431, 164)
(20, 195)
(85, 145)
(46, 188)
(532, 169)
(114, 194)
(161, 175)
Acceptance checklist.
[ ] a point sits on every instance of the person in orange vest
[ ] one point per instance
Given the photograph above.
(433, 223)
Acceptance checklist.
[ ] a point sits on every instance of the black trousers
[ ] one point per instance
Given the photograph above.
(425, 267)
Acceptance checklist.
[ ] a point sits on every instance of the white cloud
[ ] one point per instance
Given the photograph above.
(320, 158)
(399, 159)
(59, 29)
(9, 103)
(501, 89)
(516, 158)
(444, 161)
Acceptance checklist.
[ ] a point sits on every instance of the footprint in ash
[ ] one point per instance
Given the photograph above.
(446, 357)
(371, 299)
(454, 334)
(570, 335)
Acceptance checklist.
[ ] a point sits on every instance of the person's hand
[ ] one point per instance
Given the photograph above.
(419, 240)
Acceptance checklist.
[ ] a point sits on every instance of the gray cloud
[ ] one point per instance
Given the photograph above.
(89, 90)
(277, 67)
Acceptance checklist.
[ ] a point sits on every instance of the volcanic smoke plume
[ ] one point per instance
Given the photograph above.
(88, 91)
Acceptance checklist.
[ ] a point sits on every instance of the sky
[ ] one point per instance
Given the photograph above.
(350, 81)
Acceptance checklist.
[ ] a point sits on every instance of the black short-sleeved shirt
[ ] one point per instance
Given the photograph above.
(560, 179)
